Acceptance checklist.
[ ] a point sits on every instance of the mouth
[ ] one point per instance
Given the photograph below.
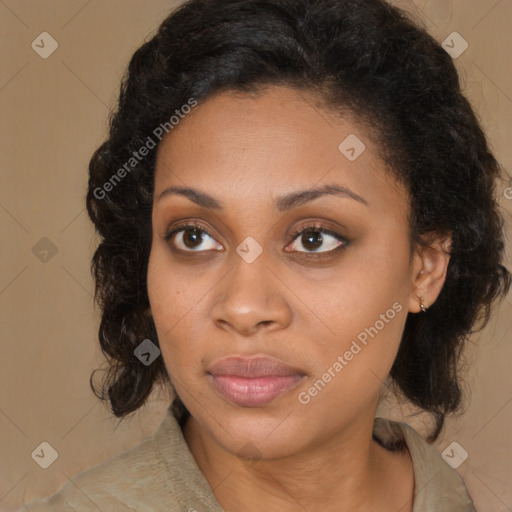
(253, 381)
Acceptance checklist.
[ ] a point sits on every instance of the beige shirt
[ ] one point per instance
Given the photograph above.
(161, 475)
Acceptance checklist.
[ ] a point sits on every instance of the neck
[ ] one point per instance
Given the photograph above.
(349, 472)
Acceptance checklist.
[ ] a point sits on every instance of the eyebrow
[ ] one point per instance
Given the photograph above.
(283, 203)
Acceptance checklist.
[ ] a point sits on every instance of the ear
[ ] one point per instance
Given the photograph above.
(429, 266)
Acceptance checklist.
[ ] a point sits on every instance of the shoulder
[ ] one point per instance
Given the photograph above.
(158, 475)
(134, 480)
(437, 485)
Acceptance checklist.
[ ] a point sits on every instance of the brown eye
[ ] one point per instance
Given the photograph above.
(192, 239)
(311, 240)
(316, 240)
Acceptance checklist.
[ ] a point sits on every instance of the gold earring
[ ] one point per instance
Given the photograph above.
(422, 305)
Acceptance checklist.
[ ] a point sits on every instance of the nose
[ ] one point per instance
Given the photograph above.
(251, 298)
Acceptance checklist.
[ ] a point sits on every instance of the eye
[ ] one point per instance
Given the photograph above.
(316, 239)
(313, 238)
(192, 238)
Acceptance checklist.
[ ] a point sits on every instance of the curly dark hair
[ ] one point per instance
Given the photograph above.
(361, 56)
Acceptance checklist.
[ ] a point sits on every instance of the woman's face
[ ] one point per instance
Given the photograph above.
(272, 337)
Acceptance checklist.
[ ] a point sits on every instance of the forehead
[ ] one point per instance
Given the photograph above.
(255, 146)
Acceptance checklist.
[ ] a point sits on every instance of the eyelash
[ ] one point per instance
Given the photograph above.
(317, 227)
(304, 228)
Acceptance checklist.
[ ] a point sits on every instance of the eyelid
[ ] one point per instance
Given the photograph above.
(183, 226)
(304, 227)
(314, 226)
(317, 226)
(180, 226)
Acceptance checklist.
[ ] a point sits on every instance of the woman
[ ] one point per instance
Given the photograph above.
(295, 203)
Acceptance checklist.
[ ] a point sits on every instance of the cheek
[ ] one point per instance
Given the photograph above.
(372, 275)
(351, 365)
(172, 297)
(361, 308)
(173, 290)
(165, 294)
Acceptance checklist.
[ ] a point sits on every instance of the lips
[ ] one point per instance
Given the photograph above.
(253, 381)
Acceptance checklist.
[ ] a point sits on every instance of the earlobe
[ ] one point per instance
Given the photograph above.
(430, 266)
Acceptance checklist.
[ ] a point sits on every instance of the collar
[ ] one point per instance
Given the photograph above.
(437, 486)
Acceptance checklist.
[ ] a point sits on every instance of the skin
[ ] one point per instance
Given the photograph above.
(306, 310)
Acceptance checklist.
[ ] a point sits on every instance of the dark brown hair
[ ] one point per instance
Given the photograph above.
(368, 58)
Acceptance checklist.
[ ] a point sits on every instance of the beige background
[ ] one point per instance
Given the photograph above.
(54, 114)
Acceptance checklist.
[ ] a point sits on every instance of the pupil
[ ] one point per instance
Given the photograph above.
(192, 237)
(312, 240)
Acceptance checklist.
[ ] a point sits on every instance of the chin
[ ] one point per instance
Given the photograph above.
(256, 432)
